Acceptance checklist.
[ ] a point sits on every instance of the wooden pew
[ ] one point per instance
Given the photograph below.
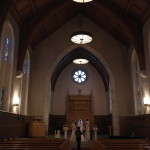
(122, 141)
(119, 144)
(35, 144)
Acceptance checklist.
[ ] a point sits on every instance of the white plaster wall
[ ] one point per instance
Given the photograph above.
(15, 83)
(53, 47)
(65, 84)
(131, 53)
(146, 36)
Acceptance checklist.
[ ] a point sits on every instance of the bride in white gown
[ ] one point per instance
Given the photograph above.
(80, 124)
(87, 130)
(73, 127)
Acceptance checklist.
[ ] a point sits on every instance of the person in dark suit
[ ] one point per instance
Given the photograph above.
(78, 134)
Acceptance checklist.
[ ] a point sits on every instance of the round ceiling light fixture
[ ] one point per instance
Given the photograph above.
(81, 37)
(82, 1)
(80, 61)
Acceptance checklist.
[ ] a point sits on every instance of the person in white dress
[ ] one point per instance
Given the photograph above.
(57, 134)
(73, 128)
(80, 124)
(87, 130)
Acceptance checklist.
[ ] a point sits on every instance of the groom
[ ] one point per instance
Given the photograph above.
(78, 134)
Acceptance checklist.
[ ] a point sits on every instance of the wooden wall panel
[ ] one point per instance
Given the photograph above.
(79, 107)
(102, 122)
(56, 122)
(12, 125)
(140, 125)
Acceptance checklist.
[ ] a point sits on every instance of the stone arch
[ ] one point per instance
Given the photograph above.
(48, 93)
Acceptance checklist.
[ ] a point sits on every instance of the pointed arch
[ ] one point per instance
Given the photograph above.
(49, 93)
(74, 54)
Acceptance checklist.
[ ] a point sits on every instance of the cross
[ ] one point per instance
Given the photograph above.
(79, 91)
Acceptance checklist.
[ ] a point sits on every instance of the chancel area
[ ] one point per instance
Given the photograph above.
(74, 64)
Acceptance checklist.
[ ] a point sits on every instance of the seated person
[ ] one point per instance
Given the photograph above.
(57, 134)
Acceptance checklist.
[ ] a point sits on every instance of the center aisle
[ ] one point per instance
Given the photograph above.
(81, 149)
(84, 145)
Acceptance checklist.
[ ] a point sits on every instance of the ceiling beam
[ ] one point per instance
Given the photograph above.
(29, 27)
(132, 27)
(33, 6)
(129, 5)
(4, 7)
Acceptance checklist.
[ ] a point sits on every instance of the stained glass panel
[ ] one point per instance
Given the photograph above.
(138, 88)
(7, 48)
(79, 76)
(25, 67)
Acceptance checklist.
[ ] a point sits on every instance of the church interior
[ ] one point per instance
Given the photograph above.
(69, 60)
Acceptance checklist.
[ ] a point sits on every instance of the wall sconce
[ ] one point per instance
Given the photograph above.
(147, 104)
(146, 101)
(15, 104)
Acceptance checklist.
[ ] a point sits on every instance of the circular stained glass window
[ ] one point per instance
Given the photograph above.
(79, 76)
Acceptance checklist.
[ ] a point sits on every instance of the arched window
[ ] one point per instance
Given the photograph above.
(6, 64)
(79, 75)
(137, 84)
(25, 84)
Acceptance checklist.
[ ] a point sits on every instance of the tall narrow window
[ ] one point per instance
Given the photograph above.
(7, 42)
(6, 64)
(25, 67)
(139, 105)
(7, 47)
(25, 84)
(136, 84)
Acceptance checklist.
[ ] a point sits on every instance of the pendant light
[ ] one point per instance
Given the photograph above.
(81, 37)
(82, 1)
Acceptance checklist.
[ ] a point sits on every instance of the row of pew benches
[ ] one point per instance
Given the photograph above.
(35, 144)
(121, 144)
(63, 144)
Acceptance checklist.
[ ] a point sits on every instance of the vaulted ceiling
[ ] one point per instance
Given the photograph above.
(37, 19)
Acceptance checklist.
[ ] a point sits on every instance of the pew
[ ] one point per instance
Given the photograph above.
(120, 144)
(35, 144)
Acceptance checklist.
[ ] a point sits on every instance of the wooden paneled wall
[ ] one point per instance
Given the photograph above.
(79, 107)
(140, 125)
(56, 122)
(102, 122)
(13, 125)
